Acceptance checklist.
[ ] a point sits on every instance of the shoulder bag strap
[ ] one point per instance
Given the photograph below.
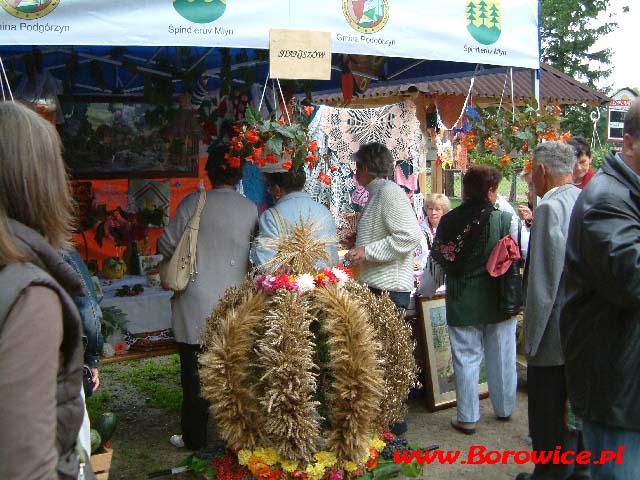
(502, 232)
(520, 236)
(195, 220)
(193, 227)
(281, 223)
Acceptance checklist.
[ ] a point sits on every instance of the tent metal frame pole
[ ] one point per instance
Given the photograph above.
(535, 85)
(405, 69)
(199, 60)
(150, 61)
(139, 68)
(214, 72)
(357, 72)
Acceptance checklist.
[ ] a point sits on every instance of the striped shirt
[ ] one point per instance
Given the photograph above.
(389, 232)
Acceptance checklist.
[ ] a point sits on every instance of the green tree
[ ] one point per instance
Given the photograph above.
(483, 10)
(569, 31)
(578, 121)
(494, 15)
(472, 11)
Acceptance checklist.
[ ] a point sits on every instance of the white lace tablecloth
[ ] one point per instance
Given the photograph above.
(146, 312)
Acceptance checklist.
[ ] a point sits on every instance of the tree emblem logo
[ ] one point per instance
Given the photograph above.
(484, 20)
(200, 11)
(366, 16)
(29, 9)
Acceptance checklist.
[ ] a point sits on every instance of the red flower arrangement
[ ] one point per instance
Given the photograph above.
(227, 468)
(268, 141)
(121, 227)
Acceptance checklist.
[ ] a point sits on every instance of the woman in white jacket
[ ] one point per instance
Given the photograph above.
(388, 231)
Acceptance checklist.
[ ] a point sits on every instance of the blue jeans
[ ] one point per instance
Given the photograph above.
(599, 437)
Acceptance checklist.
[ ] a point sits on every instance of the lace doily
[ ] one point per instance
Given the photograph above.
(336, 196)
(395, 126)
(339, 133)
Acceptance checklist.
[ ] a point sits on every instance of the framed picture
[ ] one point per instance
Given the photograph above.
(440, 379)
(124, 137)
(149, 263)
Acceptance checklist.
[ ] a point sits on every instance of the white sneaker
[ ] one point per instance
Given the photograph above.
(176, 441)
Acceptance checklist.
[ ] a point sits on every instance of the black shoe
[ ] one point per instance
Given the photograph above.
(399, 428)
(524, 476)
(504, 419)
(467, 428)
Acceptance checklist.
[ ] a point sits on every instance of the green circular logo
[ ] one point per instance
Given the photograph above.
(200, 11)
(366, 16)
(29, 9)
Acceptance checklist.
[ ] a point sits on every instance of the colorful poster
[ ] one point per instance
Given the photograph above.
(496, 32)
(149, 199)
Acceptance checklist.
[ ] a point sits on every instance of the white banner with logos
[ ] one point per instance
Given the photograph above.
(498, 32)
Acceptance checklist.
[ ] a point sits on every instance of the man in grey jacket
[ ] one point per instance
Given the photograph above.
(600, 321)
(552, 177)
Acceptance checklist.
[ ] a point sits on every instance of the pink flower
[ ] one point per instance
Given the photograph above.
(448, 251)
(268, 287)
(259, 281)
(336, 474)
(281, 281)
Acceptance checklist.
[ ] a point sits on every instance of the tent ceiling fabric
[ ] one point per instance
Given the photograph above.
(123, 70)
(555, 87)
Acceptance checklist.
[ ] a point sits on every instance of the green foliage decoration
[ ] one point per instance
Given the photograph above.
(503, 138)
(113, 320)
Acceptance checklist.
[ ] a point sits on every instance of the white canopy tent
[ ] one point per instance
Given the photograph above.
(475, 31)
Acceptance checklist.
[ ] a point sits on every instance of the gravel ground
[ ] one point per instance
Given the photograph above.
(141, 446)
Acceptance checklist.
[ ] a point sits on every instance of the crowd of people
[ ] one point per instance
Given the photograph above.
(579, 237)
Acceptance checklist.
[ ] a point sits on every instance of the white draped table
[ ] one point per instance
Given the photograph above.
(147, 312)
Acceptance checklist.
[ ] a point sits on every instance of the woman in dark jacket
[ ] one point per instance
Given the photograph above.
(464, 240)
(40, 331)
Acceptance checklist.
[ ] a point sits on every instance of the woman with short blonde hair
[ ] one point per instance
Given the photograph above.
(40, 329)
(437, 200)
(435, 206)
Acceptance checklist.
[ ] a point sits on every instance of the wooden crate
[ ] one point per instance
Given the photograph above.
(101, 463)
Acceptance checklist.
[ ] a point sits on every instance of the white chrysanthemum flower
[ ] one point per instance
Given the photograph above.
(305, 283)
(340, 275)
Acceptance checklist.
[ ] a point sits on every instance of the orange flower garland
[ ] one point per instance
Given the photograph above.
(266, 141)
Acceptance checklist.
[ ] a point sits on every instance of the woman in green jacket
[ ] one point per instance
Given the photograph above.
(477, 327)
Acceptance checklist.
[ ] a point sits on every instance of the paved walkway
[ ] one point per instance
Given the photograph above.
(428, 428)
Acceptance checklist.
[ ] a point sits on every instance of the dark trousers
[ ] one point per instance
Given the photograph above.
(400, 299)
(195, 409)
(547, 393)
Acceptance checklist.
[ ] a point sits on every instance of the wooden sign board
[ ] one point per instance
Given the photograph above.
(299, 54)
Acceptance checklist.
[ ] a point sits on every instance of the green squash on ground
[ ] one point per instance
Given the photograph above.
(96, 440)
(106, 425)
